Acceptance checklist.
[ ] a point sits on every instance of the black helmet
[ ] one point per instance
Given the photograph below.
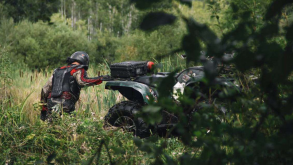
(80, 57)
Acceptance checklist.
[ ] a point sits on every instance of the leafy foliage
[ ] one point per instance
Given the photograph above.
(106, 29)
(257, 124)
(152, 20)
(40, 45)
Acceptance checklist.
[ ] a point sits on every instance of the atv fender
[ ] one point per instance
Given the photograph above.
(133, 91)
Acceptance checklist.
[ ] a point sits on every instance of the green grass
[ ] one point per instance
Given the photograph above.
(25, 139)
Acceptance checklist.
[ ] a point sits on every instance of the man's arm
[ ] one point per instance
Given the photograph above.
(81, 77)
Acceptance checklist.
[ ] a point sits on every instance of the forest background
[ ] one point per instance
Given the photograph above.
(45, 34)
(37, 36)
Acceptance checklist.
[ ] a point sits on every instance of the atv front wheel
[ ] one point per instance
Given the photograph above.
(123, 115)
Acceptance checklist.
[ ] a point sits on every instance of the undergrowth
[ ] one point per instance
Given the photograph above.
(69, 140)
(80, 138)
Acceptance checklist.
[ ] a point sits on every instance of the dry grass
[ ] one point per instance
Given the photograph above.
(25, 89)
(28, 84)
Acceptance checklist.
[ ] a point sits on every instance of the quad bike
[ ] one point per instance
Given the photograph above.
(140, 89)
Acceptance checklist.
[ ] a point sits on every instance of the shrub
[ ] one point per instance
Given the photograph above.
(40, 45)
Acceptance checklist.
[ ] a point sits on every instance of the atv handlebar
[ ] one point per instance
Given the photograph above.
(107, 78)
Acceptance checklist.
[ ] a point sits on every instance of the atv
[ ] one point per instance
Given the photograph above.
(139, 88)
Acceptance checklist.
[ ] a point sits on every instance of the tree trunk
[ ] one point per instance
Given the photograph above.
(129, 19)
(72, 14)
(122, 19)
(88, 28)
(112, 22)
(64, 9)
(96, 23)
(61, 9)
(110, 15)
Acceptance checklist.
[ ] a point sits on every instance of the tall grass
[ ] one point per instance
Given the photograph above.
(24, 139)
(172, 63)
(27, 85)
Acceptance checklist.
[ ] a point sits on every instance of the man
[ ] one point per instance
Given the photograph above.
(63, 88)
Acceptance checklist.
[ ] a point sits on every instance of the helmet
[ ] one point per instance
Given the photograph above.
(80, 57)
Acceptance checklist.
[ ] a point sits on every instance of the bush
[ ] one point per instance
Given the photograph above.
(40, 45)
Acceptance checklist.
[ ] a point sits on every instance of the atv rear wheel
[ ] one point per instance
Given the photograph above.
(123, 115)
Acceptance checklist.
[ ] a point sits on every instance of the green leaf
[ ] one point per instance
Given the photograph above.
(191, 47)
(151, 109)
(151, 114)
(244, 60)
(137, 141)
(186, 2)
(166, 86)
(144, 4)
(156, 19)
(276, 8)
(197, 133)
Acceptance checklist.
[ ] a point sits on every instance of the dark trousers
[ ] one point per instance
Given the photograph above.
(66, 105)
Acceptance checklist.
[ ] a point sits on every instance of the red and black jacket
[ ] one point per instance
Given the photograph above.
(70, 79)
